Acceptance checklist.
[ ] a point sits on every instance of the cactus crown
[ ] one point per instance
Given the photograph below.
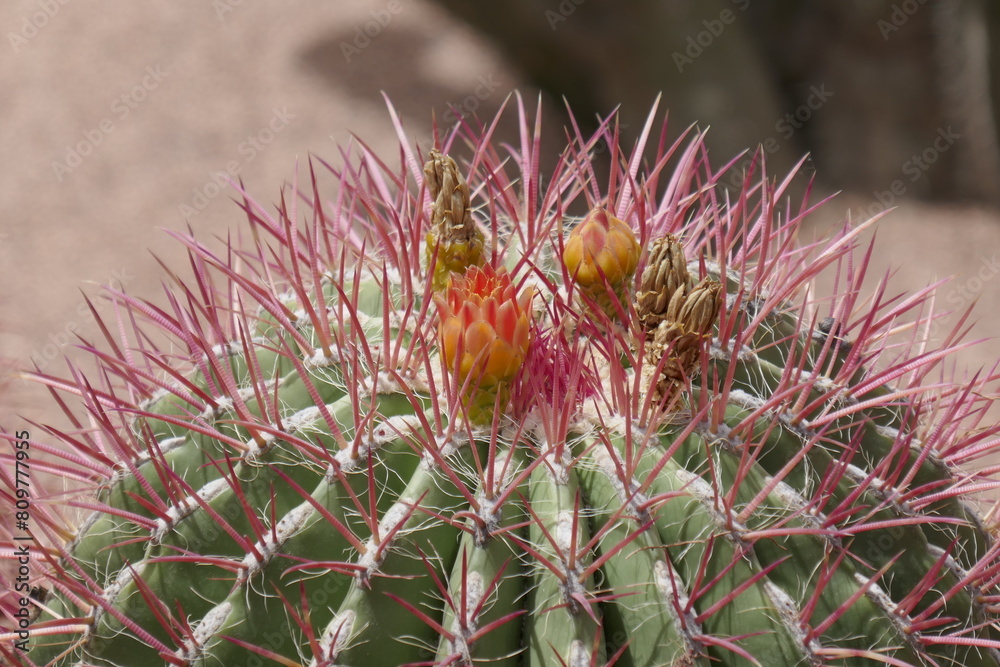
(440, 420)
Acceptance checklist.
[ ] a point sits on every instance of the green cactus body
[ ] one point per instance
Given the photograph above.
(707, 478)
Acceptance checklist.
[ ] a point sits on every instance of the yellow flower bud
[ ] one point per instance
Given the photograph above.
(601, 252)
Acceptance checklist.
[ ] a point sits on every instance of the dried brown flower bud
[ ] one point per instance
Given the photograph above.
(453, 235)
(701, 307)
(664, 277)
(676, 317)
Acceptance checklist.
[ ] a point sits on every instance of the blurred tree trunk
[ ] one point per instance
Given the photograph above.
(884, 93)
(600, 54)
(912, 103)
(964, 64)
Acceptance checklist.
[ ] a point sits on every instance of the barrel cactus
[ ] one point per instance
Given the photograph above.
(460, 413)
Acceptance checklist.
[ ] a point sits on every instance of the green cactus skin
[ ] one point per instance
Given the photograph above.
(291, 480)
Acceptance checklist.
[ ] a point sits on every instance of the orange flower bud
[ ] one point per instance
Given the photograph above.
(601, 252)
(485, 332)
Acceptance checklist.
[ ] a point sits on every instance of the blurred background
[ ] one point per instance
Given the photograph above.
(117, 118)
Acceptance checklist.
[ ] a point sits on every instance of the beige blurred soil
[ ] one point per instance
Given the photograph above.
(223, 77)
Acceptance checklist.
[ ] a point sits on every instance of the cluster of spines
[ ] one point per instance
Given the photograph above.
(310, 320)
